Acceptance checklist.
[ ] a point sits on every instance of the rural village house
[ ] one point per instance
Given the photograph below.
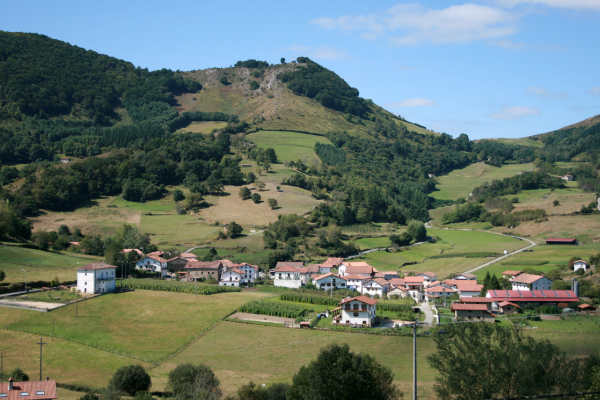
(524, 297)
(290, 277)
(96, 278)
(232, 277)
(530, 282)
(329, 281)
(360, 310)
(509, 274)
(31, 390)
(154, 263)
(580, 264)
(472, 312)
(375, 286)
(361, 268)
(202, 270)
(465, 276)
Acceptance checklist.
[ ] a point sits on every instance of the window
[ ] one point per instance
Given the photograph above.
(3, 395)
(24, 394)
(356, 314)
(40, 393)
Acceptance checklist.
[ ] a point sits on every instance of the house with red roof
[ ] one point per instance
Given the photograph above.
(330, 281)
(361, 268)
(506, 307)
(360, 310)
(530, 282)
(153, 263)
(467, 276)
(399, 291)
(524, 297)
(96, 278)
(478, 300)
(466, 288)
(202, 270)
(176, 264)
(428, 277)
(355, 281)
(509, 274)
(250, 271)
(232, 277)
(290, 276)
(472, 312)
(31, 390)
(375, 286)
(580, 264)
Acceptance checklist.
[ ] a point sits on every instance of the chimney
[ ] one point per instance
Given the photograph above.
(10, 384)
(47, 378)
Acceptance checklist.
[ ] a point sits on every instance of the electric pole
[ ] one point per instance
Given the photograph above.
(1, 367)
(415, 361)
(41, 343)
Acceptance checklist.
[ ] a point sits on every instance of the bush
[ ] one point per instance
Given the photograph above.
(189, 381)
(254, 85)
(131, 379)
(272, 204)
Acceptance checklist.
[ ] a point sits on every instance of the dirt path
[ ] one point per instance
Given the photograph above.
(31, 304)
(261, 318)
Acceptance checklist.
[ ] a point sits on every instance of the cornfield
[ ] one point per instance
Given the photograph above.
(310, 299)
(482, 254)
(179, 287)
(273, 309)
(525, 263)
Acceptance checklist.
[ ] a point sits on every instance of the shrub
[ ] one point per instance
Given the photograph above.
(131, 379)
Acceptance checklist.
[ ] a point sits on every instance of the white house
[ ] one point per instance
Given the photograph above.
(331, 262)
(359, 310)
(153, 263)
(375, 286)
(289, 277)
(581, 264)
(355, 281)
(232, 277)
(361, 268)
(428, 277)
(96, 278)
(250, 272)
(329, 281)
(530, 282)
(467, 276)
(398, 291)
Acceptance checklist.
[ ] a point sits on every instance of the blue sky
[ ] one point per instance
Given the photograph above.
(496, 68)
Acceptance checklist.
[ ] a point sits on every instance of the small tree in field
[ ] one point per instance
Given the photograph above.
(260, 185)
(234, 230)
(245, 193)
(131, 379)
(2, 275)
(272, 203)
(256, 197)
(417, 230)
(188, 381)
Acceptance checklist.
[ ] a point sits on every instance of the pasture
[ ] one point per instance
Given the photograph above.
(459, 183)
(40, 265)
(289, 146)
(144, 325)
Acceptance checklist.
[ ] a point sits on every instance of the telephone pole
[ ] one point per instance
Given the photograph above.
(414, 361)
(41, 343)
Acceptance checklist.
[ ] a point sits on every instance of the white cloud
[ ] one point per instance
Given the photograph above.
(541, 92)
(595, 90)
(409, 24)
(510, 113)
(412, 103)
(568, 4)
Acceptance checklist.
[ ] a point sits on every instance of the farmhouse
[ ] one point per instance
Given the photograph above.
(472, 312)
(202, 270)
(331, 262)
(250, 271)
(508, 274)
(523, 297)
(375, 286)
(188, 256)
(96, 278)
(176, 263)
(290, 277)
(437, 292)
(136, 251)
(398, 291)
(330, 281)
(154, 263)
(466, 276)
(506, 307)
(478, 300)
(572, 242)
(355, 281)
(361, 268)
(31, 390)
(359, 310)
(530, 282)
(581, 264)
(567, 178)
(466, 288)
(232, 277)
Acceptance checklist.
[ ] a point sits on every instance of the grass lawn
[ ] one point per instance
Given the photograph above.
(10, 315)
(144, 324)
(570, 200)
(461, 182)
(289, 146)
(169, 230)
(202, 126)
(40, 265)
(269, 354)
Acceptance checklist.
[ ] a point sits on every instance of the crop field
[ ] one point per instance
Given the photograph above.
(40, 265)
(582, 227)
(145, 325)
(169, 230)
(461, 182)
(270, 354)
(289, 146)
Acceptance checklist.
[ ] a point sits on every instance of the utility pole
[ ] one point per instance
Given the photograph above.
(77, 310)
(1, 366)
(25, 279)
(415, 361)
(41, 343)
(53, 330)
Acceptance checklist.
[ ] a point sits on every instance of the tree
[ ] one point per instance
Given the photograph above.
(403, 239)
(89, 396)
(64, 230)
(282, 60)
(416, 230)
(485, 361)
(272, 203)
(234, 229)
(189, 381)
(2, 275)
(254, 85)
(362, 375)
(555, 203)
(256, 197)
(18, 375)
(178, 195)
(131, 379)
(260, 185)
(245, 193)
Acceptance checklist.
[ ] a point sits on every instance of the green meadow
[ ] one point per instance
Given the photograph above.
(289, 146)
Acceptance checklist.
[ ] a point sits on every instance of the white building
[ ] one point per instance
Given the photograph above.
(428, 277)
(581, 264)
(96, 278)
(358, 310)
(289, 277)
(360, 268)
(355, 281)
(375, 286)
(232, 277)
(250, 272)
(530, 282)
(329, 281)
(153, 263)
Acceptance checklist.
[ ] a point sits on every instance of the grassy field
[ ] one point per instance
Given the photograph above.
(143, 324)
(289, 146)
(460, 183)
(521, 141)
(63, 360)
(40, 265)
(202, 127)
(571, 199)
(270, 354)
(449, 242)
